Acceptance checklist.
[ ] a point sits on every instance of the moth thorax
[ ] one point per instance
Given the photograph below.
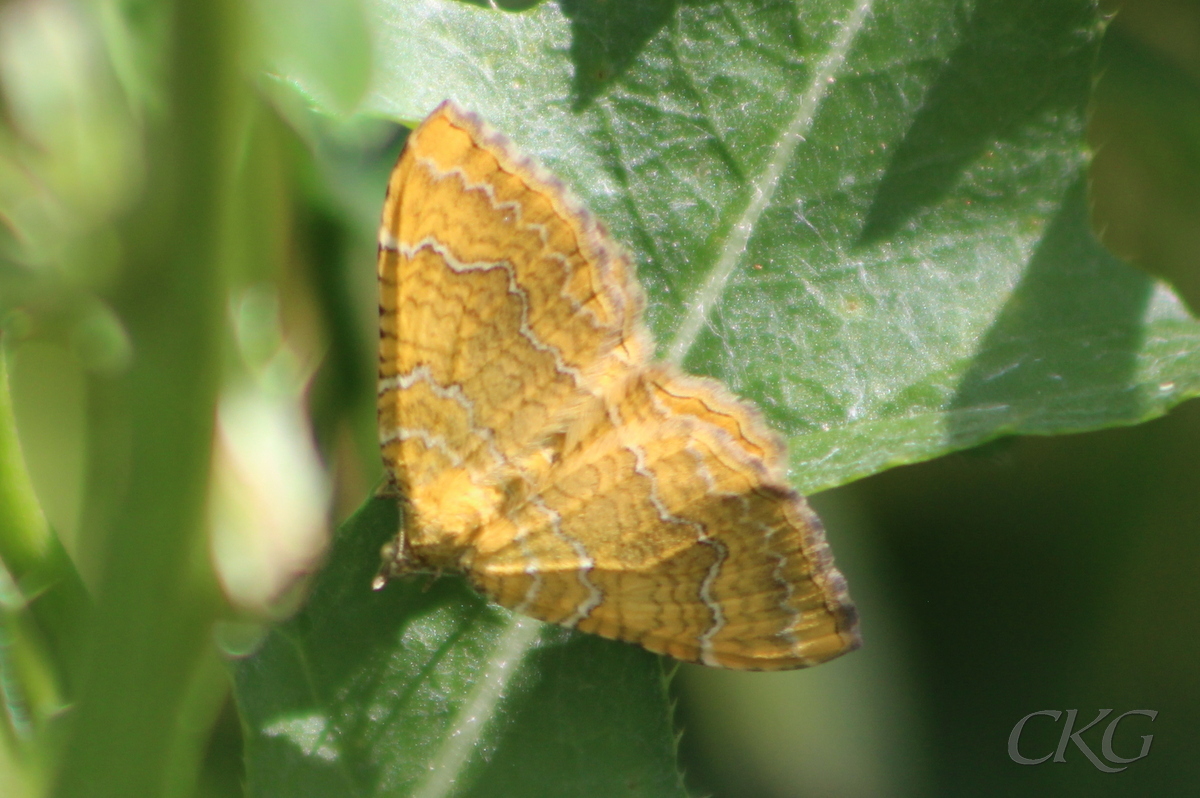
(453, 510)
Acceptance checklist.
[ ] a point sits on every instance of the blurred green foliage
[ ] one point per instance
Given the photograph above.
(871, 218)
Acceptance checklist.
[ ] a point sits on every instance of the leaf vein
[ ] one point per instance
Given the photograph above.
(763, 189)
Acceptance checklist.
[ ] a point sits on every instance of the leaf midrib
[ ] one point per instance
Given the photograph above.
(761, 190)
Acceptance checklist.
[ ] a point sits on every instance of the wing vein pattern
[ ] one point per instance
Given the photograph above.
(542, 452)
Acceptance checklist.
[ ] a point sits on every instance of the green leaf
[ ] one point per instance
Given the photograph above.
(321, 45)
(867, 217)
(423, 686)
